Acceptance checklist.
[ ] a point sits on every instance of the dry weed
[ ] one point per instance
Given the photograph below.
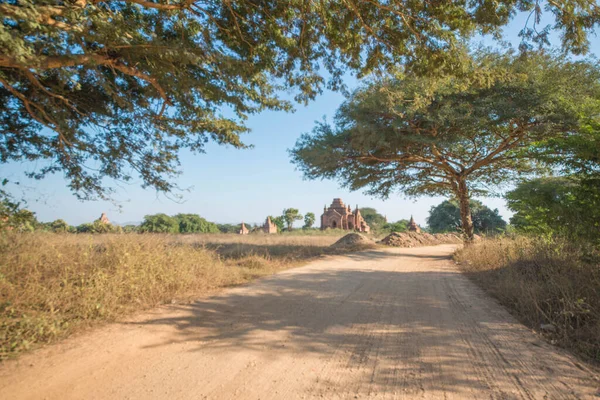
(53, 284)
(551, 283)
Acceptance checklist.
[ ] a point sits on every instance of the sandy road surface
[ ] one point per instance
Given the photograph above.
(402, 324)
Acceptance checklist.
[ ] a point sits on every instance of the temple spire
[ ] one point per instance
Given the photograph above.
(412, 225)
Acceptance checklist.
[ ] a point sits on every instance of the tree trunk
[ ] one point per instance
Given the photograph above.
(465, 211)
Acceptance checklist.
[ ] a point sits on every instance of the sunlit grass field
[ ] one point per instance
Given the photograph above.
(54, 284)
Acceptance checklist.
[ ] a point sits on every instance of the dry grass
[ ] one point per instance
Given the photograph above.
(550, 283)
(52, 285)
(284, 249)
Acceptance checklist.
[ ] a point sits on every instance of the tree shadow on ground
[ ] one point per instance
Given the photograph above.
(238, 250)
(381, 254)
(399, 328)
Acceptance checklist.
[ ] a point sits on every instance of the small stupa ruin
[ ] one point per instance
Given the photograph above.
(412, 225)
(244, 230)
(269, 227)
(104, 219)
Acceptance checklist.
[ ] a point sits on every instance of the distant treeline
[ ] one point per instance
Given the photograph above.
(444, 217)
(564, 206)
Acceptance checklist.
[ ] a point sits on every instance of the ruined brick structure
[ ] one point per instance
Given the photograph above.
(243, 230)
(269, 227)
(104, 219)
(412, 225)
(338, 216)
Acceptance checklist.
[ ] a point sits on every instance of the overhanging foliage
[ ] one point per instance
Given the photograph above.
(116, 88)
(453, 136)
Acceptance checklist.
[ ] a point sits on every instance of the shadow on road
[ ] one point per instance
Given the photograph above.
(403, 327)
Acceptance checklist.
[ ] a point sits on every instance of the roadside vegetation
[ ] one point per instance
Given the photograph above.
(52, 285)
(548, 271)
(551, 285)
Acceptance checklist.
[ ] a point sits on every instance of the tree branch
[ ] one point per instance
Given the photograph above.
(14, 10)
(86, 59)
(364, 24)
(399, 14)
(46, 120)
(33, 79)
(43, 15)
(506, 144)
(159, 6)
(444, 161)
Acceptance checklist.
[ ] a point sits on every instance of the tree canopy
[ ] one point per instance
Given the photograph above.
(12, 217)
(98, 227)
(398, 226)
(193, 223)
(579, 154)
(115, 88)
(372, 217)
(566, 205)
(290, 215)
(309, 220)
(445, 217)
(452, 136)
(159, 223)
(180, 223)
(229, 228)
(379, 223)
(59, 226)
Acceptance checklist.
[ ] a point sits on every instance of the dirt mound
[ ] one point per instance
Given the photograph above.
(354, 241)
(448, 238)
(413, 239)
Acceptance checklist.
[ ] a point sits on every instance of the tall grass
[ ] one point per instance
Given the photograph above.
(54, 284)
(549, 284)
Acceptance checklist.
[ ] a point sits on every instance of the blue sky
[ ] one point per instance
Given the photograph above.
(230, 186)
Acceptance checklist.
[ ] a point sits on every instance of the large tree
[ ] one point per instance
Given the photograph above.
(59, 226)
(159, 223)
(115, 88)
(193, 223)
(290, 215)
(452, 136)
(309, 220)
(373, 218)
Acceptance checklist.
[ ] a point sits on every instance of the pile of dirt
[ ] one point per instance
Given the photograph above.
(413, 239)
(354, 241)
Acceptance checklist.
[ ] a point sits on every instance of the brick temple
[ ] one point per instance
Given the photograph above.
(340, 216)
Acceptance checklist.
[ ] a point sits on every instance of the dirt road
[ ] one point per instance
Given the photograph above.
(401, 324)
